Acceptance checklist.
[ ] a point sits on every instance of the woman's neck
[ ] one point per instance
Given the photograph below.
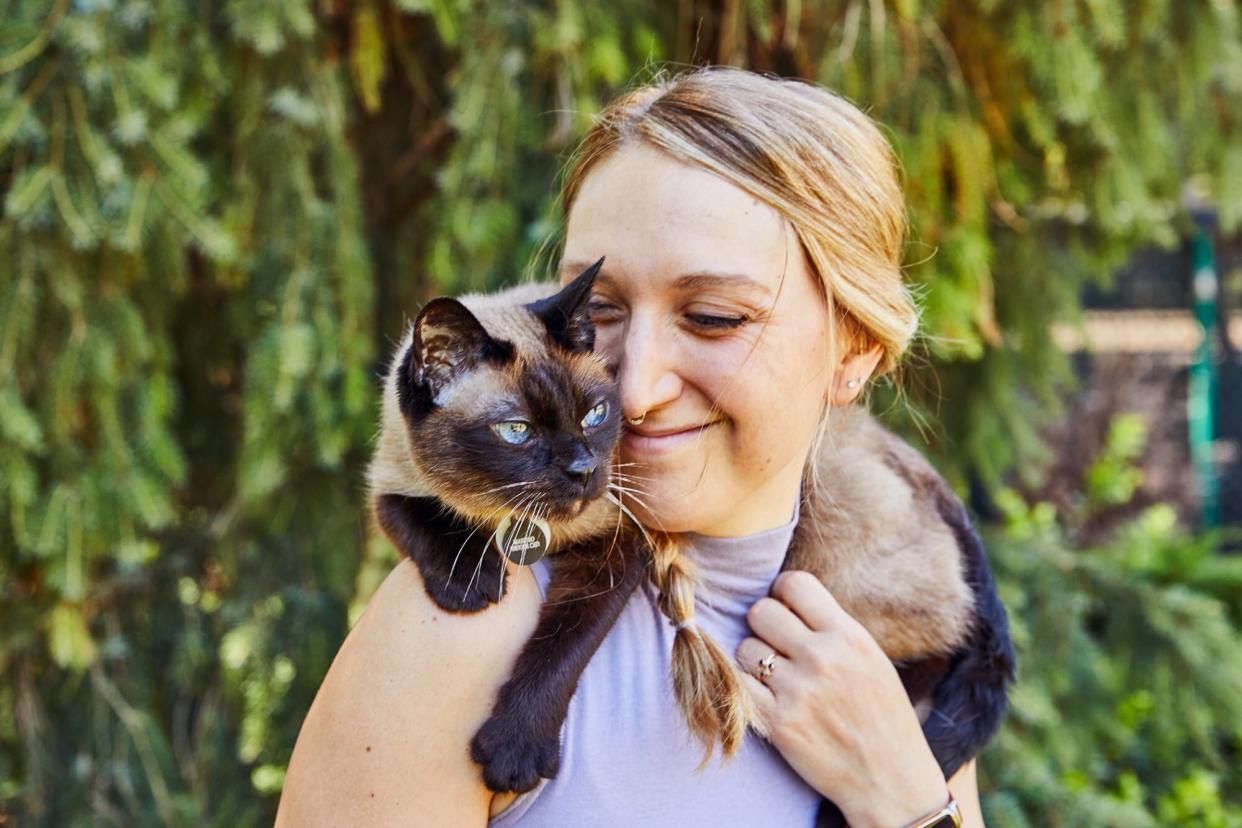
(768, 507)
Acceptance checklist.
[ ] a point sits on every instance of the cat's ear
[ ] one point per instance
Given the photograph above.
(566, 315)
(448, 343)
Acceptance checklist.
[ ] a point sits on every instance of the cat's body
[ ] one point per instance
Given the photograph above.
(447, 473)
(881, 530)
(895, 547)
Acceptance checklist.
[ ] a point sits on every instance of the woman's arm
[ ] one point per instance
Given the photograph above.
(965, 787)
(837, 711)
(386, 741)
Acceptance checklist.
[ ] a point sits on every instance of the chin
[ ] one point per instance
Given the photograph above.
(682, 493)
(671, 515)
(567, 511)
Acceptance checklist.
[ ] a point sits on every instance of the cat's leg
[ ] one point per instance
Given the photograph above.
(520, 743)
(829, 815)
(461, 571)
(969, 700)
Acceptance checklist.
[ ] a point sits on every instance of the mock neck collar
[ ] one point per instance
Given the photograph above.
(743, 566)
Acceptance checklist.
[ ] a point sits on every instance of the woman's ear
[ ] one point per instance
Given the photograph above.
(856, 368)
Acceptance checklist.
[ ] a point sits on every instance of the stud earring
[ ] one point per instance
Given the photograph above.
(851, 383)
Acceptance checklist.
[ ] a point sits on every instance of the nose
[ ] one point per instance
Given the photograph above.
(578, 462)
(581, 468)
(645, 367)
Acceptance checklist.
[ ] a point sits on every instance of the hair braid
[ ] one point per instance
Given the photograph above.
(706, 681)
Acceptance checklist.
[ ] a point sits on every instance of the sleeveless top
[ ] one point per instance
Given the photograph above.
(627, 757)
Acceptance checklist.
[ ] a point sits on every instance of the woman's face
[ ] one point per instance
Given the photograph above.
(720, 333)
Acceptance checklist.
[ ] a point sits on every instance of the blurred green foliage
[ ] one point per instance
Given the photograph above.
(1126, 710)
(216, 217)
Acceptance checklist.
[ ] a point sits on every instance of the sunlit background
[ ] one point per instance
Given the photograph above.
(218, 216)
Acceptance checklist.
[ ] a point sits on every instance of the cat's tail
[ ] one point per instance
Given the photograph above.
(706, 681)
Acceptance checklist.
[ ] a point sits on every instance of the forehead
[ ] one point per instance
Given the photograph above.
(554, 391)
(653, 216)
(546, 388)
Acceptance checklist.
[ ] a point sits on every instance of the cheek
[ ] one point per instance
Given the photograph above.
(766, 388)
(775, 405)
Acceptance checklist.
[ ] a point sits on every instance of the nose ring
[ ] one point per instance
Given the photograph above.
(636, 420)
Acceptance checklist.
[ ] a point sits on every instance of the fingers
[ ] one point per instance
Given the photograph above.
(807, 598)
(751, 652)
(776, 624)
(795, 628)
(765, 701)
(748, 654)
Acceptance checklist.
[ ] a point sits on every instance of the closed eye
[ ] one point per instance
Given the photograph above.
(602, 313)
(719, 322)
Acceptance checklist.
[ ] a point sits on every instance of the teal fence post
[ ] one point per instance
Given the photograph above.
(1201, 399)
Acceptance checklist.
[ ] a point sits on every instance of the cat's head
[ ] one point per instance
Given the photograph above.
(506, 406)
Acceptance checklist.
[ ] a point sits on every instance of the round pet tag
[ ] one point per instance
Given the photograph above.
(524, 541)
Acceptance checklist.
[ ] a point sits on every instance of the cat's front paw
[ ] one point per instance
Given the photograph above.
(514, 755)
(467, 590)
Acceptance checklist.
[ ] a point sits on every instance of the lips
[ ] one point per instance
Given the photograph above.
(668, 432)
(649, 441)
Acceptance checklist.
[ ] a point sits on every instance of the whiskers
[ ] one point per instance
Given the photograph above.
(462, 548)
(619, 488)
(531, 502)
(629, 484)
(495, 489)
(626, 484)
(616, 499)
(623, 489)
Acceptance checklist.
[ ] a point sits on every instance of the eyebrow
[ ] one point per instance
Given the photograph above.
(691, 281)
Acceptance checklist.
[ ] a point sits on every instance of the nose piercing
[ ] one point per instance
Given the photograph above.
(636, 420)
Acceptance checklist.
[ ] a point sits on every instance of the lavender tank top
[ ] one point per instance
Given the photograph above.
(627, 757)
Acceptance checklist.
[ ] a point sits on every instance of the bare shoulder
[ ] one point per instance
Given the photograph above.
(388, 734)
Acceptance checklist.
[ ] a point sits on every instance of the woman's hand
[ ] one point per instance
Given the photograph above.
(836, 709)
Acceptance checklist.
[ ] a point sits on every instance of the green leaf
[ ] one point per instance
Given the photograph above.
(68, 638)
(367, 58)
(18, 424)
(28, 188)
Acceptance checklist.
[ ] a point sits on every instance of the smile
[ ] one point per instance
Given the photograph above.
(638, 442)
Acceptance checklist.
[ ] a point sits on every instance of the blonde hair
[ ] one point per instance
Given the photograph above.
(826, 168)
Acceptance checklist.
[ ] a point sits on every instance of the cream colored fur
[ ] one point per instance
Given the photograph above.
(393, 469)
(871, 533)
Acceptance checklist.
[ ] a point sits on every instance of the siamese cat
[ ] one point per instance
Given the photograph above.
(498, 434)
(498, 440)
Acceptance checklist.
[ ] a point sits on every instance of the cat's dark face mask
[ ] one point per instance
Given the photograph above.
(499, 430)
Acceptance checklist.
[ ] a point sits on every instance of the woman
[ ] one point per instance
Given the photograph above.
(752, 229)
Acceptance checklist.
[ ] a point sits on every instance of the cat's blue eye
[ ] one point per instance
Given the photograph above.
(513, 431)
(596, 415)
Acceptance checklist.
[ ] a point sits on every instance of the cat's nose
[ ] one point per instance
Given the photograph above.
(581, 468)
